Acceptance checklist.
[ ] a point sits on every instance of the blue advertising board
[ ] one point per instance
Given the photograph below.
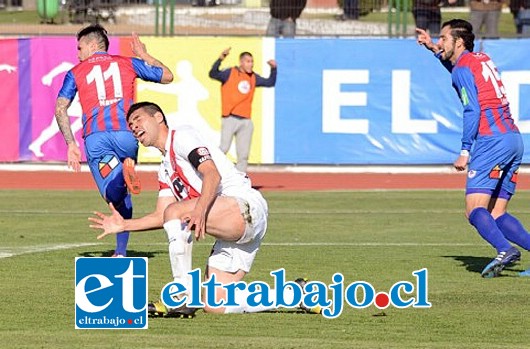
(379, 101)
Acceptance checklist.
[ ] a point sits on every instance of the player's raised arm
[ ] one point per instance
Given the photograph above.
(271, 80)
(215, 72)
(115, 223)
(425, 39)
(138, 48)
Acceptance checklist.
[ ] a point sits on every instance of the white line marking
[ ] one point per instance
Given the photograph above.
(17, 251)
(349, 244)
(375, 244)
(272, 212)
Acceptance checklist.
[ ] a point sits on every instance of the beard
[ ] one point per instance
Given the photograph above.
(447, 54)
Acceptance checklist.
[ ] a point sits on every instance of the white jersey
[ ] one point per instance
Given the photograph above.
(178, 177)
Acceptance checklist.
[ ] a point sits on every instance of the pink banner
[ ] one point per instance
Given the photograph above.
(51, 59)
(9, 100)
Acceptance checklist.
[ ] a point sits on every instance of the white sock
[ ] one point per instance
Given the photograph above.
(180, 247)
(241, 299)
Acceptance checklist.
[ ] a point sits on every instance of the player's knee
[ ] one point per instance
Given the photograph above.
(173, 211)
(496, 213)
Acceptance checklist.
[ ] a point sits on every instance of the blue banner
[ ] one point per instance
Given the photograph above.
(352, 101)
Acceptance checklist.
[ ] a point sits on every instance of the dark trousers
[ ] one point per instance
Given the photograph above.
(351, 9)
(428, 20)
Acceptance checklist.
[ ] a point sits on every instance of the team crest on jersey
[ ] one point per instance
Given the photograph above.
(496, 172)
(472, 174)
(244, 87)
(107, 164)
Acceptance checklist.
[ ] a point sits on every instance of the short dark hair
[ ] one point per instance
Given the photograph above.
(97, 32)
(245, 53)
(462, 29)
(150, 107)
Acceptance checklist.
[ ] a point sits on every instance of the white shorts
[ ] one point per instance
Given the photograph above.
(232, 256)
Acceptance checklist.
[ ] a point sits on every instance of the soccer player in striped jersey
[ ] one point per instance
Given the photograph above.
(105, 84)
(492, 147)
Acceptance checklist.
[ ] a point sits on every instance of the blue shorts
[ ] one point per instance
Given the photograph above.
(105, 152)
(494, 165)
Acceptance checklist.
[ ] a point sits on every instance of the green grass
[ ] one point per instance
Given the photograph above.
(19, 17)
(354, 233)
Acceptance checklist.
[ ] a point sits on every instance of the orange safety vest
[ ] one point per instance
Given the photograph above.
(237, 93)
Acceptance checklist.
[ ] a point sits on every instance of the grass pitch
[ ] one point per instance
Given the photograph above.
(379, 237)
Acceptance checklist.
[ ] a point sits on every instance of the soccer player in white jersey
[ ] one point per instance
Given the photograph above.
(201, 191)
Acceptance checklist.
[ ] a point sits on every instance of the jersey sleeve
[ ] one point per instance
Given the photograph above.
(69, 88)
(267, 82)
(219, 75)
(186, 142)
(464, 83)
(146, 71)
(163, 186)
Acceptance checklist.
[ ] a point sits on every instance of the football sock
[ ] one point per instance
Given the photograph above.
(513, 230)
(180, 247)
(122, 239)
(243, 307)
(483, 221)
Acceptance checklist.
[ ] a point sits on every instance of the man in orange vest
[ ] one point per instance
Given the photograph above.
(237, 92)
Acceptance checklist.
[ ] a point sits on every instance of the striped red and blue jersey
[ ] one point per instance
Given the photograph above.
(106, 87)
(486, 108)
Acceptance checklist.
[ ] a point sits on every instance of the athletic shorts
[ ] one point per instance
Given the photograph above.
(105, 152)
(231, 256)
(494, 165)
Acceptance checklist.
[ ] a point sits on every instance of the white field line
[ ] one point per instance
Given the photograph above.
(88, 213)
(17, 251)
(280, 212)
(348, 244)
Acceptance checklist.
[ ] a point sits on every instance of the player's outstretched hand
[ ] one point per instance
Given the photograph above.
(74, 157)
(461, 163)
(272, 63)
(137, 46)
(112, 224)
(225, 53)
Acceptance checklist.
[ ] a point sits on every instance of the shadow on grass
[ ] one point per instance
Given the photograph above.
(267, 187)
(472, 263)
(130, 253)
(477, 264)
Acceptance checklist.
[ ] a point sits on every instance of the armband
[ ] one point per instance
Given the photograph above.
(198, 156)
